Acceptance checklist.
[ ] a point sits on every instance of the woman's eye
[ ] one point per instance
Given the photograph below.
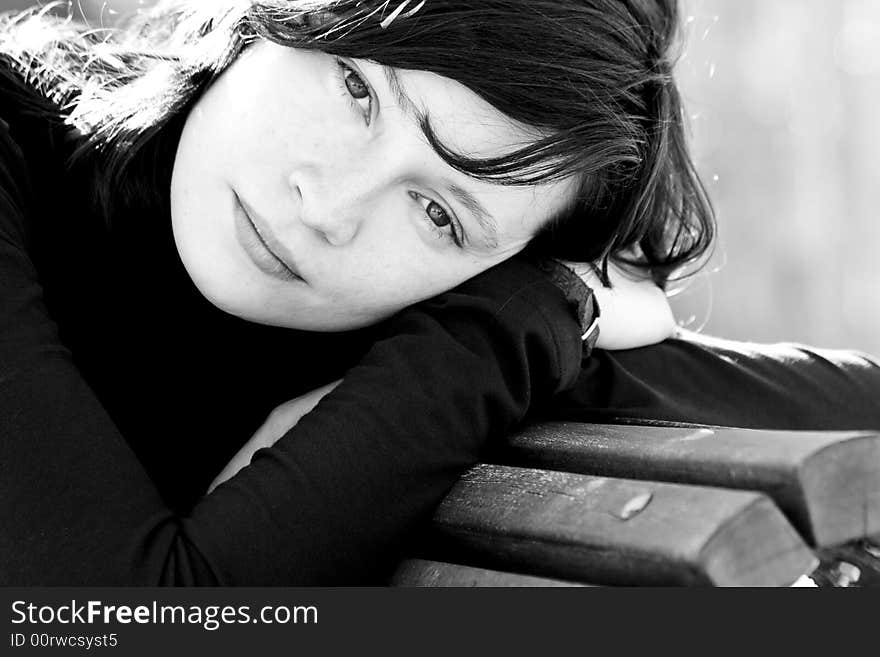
(438, 219)
(356, 86)
(356, 90)
(437, 214)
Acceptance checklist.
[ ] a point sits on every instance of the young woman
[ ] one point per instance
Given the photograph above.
(231, 204)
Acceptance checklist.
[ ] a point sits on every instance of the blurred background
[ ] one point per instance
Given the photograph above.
(783, 98)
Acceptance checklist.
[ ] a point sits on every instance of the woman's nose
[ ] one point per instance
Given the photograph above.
(334, 211)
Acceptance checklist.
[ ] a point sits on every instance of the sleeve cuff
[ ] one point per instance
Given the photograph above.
(579, 296)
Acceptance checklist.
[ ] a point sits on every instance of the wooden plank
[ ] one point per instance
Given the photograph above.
(827, 483)
(614, 531)
(422, 572)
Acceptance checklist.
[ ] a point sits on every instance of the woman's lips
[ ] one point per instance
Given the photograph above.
(261, 245)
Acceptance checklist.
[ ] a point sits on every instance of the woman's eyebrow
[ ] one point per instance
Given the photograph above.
(487, 222)
(409, 107)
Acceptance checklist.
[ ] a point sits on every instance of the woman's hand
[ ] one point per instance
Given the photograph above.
(280, 421)
(634, 311)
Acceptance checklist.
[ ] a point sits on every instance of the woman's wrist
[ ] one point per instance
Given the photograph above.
(634, 311)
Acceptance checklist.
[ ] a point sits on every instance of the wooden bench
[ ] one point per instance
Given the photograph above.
(562, 504)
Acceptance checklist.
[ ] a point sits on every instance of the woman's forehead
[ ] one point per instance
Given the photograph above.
(462, 120)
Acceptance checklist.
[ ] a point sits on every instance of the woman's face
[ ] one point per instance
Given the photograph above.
(305, 195)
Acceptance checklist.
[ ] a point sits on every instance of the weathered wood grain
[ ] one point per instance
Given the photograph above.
(613, 531)
(827, 483)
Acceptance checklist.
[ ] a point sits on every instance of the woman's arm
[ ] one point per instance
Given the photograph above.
(698, 379)
(634, 313)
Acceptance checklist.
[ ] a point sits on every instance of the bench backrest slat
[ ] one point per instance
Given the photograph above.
(827, 483)
(602, 530)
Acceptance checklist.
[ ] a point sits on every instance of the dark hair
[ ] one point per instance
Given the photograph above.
(593, 76)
